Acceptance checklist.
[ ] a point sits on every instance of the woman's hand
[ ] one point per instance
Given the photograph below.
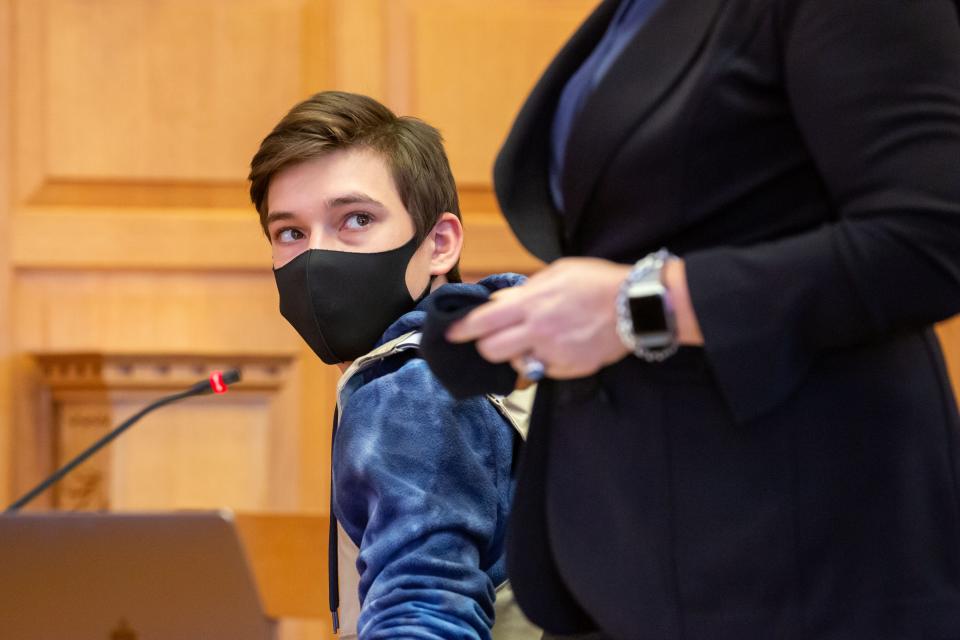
(565, 316)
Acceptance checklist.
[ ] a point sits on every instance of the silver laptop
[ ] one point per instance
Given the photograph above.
(173, 576)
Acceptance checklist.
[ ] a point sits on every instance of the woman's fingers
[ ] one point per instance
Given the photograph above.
(501, 312)
(565, 316)
(506, 344)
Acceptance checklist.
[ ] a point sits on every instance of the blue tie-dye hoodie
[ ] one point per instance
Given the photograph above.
(422, 485)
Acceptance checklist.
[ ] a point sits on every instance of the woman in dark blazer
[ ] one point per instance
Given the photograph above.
(792, 470)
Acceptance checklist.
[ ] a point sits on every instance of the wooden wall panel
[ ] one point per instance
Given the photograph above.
(6, 332)
(213, 239)
(32, 433)
(154, 90)
(949, 333)
(133, 123)
(358, 39)
(196, 454)
(467, 66)
(226, 314)
(165, 312)
(171, 172)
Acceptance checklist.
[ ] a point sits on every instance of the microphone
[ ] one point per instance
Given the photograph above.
(216, 383)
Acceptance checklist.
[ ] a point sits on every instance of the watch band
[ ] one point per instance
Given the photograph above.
(646, 273)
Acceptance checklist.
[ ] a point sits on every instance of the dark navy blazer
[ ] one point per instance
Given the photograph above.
(796, 478)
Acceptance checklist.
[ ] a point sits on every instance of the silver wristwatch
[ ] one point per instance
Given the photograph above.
(645, 319)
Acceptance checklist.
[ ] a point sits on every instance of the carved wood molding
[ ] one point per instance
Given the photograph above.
(100, 371)
(84, 387)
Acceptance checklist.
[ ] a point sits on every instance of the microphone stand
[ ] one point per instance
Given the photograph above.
(217, 383)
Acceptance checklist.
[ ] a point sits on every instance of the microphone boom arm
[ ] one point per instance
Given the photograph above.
(216, 383)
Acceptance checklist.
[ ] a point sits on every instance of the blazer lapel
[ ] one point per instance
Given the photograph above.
(521, 171)
(636, 82)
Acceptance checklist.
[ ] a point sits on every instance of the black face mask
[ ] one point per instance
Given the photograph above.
(341, 302)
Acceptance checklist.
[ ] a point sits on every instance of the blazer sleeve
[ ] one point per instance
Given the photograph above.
(417, 488)
(874, 86)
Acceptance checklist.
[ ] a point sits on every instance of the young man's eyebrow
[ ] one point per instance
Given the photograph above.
(352, 198)
(273, 216)
(339, 201)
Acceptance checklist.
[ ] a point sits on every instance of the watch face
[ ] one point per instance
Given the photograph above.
(648, 314)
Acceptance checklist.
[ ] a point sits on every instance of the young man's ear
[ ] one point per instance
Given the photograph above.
(447, 236)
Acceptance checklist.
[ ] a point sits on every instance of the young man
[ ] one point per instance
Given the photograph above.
(362, 214)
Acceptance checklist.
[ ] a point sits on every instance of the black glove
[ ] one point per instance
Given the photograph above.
(460, 367)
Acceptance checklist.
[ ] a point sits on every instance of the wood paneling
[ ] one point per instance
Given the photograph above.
(140, 238)
(358, 38)
(132, 124)
(153, 312)
(949, 333)
(34, 450)
(231, 314)
(238, 449)
(128, 157)
(213, 239)
(6, 333)
(286, 562)
(151, 90)
(203, 452)
(285, 559)
(466, 67)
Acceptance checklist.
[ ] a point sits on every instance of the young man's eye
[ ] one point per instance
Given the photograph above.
(356, 221)
(289, 235)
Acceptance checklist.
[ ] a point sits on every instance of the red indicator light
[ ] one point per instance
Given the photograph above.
(216, 382)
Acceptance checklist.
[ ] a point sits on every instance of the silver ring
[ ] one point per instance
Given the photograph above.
(533, 368)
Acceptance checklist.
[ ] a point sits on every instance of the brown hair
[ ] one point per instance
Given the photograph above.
(333, 120)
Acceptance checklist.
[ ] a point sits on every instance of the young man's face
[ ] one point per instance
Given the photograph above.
(345, 200)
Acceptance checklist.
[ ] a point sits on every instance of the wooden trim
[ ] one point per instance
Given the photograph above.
(75, 398)
(397, 63)
(135, 238)
(358, 65)
(33, 432)
(140, 193)
(489, 245)
(477, 199)
(68, 372)
(317, 61)
(211, 239)
(6, 315)
(27, 64)
(949, 334)
(156, 194)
